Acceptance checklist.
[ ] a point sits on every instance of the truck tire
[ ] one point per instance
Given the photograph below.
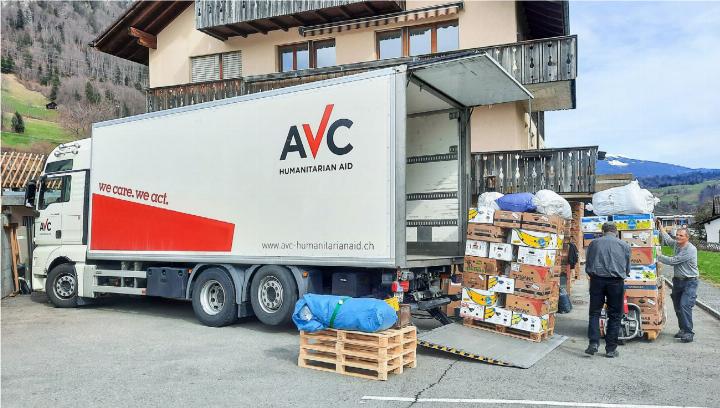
(213, 298)
(273, 295)
(61, 286)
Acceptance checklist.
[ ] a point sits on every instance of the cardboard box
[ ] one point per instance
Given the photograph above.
(634, 222)
(533, 290)
(472, 310)
(530, 323)
(639, 238)
(639, 272)
(483, 265)
(485, 232)
(476, 248)
(543, 222)
(508, 219)
(452, 308)
(481, 215)
(538, 257)
(536, 239)
(480, 297)
(593, 224)
(534, 273)
(647, 305)
(527, 305)
(656, 238)
(588, 237)
(475, 280)
(500, 284)
(642, 288)
(554, 296)
(498, 315)
(643, 256)
(503, 252)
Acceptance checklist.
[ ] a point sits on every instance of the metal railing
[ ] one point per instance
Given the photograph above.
(566, 170)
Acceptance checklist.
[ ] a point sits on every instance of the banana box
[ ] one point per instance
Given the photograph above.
(593, 224)
(476, 248)
(537, 257)
(472, 310)
(639, 272)
(498, 315)
(643, 256)
(475, 280)
(524, 304)
(638, 238)
(481, 215)
(500, 284)
(633, 222)
(533, 273)
(483, 265)
(479, 297)
(530, 323)
(588, 237)
(485, 232)
(656, 237)
(542, 222)
(502, 252)
(508, 219)
(536, 239)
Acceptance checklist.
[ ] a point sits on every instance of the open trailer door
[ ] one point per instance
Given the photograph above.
(464, 83)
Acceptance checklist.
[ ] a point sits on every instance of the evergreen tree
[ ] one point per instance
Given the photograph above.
(91, 94)
(7, 65)
(18, 124)
(20, 20)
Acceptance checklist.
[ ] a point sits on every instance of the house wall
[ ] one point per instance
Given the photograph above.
(481, 23)
(712, 231)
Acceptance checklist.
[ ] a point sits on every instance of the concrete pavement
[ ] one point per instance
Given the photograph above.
(152, 352)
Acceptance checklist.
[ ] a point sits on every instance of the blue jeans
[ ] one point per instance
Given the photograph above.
(683, 296)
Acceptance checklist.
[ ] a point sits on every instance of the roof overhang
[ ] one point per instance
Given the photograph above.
(475, 80)
(145, 17)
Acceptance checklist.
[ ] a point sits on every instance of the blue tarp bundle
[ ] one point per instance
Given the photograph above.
(520, 202)
(319, 312)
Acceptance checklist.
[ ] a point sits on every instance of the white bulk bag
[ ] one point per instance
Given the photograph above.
(549, 202)
(628, 199)
(488, 200)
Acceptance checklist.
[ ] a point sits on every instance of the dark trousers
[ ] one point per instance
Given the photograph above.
(683, 296)
(610, 291)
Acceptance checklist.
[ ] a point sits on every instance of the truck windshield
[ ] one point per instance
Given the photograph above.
(54, 190)
(60, 165)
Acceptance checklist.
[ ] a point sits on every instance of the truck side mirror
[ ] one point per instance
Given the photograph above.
(30, 190)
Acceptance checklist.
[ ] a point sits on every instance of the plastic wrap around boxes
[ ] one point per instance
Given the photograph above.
(643, 286)
(510, 281)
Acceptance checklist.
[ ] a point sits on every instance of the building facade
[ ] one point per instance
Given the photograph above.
(205, 50)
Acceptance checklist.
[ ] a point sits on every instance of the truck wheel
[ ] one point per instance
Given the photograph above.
(273, 295)
(213, 299)
(61, 286)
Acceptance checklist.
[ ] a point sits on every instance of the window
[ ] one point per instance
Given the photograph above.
(417, 40)
(60, 165)
(389, 44)
(215, 67)
(54, 190)
(311, 54)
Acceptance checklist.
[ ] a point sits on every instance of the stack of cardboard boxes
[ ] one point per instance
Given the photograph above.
(644, 286)
(510, 281)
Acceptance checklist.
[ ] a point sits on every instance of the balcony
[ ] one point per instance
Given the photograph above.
(547, 67)
(567, 171)
(229, 18)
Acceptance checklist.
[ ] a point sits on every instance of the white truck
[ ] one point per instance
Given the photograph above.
(354, 186)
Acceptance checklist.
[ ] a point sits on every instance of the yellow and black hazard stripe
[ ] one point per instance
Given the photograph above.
(463, 353)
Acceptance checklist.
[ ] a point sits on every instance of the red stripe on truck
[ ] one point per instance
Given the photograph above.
(121, 225)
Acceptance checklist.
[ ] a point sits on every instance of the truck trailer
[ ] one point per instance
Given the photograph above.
(355, 186)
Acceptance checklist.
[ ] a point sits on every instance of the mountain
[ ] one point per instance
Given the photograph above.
(615, 164)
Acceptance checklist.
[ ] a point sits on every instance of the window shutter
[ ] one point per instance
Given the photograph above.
(232, 65)
(205, 68)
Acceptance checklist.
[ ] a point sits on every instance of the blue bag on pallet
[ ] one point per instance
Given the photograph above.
(518, 202)
(319, 312)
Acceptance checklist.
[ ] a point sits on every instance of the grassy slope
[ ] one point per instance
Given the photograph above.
(40, 123)
(687, 193)
(708, 263)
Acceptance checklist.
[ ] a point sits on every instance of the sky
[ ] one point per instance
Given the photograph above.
(648, 84)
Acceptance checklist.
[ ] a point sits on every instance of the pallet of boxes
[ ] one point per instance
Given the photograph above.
(644, 287)
(510, 281)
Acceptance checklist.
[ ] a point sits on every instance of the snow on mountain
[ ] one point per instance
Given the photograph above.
(616, 163)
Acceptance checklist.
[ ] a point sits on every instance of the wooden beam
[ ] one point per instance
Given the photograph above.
(213, 34)
(299, 19)
(164, 18)
(257, 27)
(242, 34)
(147, 40)
(278, 24)
(322, 17)
(344, 12)
(370, 7)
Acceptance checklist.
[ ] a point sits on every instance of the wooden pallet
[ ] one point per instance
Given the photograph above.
(358, 354)
(508, 331)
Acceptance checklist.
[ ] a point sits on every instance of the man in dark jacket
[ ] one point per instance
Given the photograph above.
(607, 264)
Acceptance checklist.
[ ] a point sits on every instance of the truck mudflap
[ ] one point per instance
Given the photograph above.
(488, 347)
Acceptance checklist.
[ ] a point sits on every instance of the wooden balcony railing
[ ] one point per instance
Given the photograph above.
(566, 171)
(530, 62)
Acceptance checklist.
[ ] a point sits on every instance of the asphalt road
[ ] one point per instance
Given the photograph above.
(152, 352)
